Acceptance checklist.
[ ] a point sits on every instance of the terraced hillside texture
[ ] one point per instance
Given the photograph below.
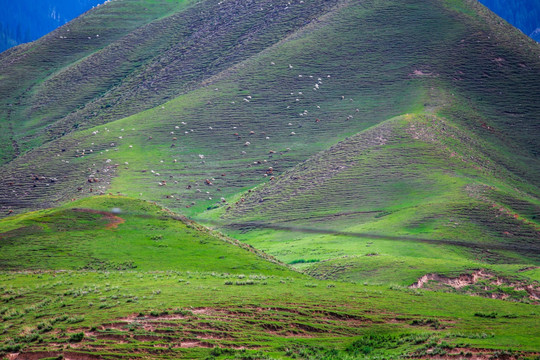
(369, 168)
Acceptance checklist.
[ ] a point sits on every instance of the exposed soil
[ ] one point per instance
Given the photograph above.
(208, 327)
(49, 354)
(469, 283)
(472, 354)
(114, 220)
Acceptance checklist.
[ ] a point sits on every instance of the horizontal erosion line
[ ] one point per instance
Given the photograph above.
(374, 236)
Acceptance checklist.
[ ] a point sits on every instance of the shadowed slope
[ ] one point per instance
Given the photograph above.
(29, 69)
(150, 64)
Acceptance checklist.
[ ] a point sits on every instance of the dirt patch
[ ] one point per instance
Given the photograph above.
(192, 344)
(471, 354)
(49, 354)
(480, 283)
(457, 282)
(148, 338)
(114, 220)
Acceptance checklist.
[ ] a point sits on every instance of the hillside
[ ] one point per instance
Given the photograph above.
(116, 277)
(370, 170)
(87, 235)
(265, 104)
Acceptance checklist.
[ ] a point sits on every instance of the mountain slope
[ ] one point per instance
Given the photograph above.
(173, 54)
(463, 166)
(393, 145)
(416, 193)
(400, 63)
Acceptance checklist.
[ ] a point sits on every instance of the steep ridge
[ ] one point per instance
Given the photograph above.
(415, 193)
(25, 67)
(361, 81)
(150, 64)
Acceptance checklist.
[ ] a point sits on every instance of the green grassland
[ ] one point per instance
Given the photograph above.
(103, 291)
(339, 154)
(80, 237)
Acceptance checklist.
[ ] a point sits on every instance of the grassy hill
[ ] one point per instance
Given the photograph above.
(83, 281)
(405, 192)
(116, 233)
(393, 145)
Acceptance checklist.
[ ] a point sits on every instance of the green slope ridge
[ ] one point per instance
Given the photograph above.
(147, 66)
(385, 74)
(410, 196)
(29, 70)
(136, 235)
